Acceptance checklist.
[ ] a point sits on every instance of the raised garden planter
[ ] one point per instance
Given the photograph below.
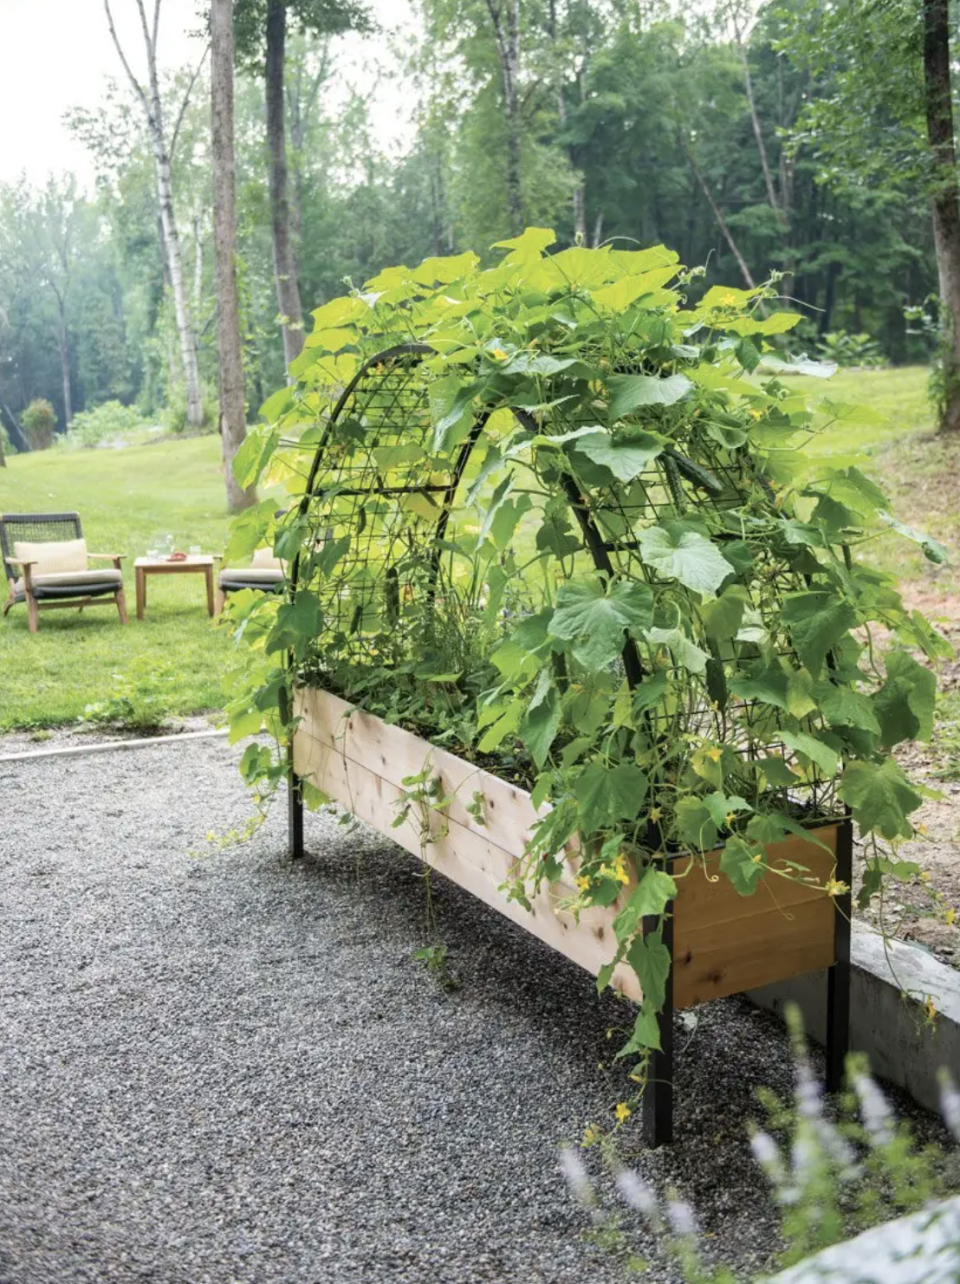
(555, 512)
(721, 943)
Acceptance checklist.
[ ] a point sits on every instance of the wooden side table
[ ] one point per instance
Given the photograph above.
(194, 564)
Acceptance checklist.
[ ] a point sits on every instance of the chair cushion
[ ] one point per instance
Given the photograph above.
(259, 575)
(265, 559)
(79, 584)
(53, 557)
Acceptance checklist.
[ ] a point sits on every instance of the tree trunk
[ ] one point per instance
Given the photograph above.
(943, 196)
(721, 222)
(153, 112)
(284, 263)
(507, 35)
(20, 443)
(62, 344)
(233, 408)
(178, 284)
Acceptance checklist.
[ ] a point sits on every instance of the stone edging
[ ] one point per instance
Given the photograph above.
(890, 982)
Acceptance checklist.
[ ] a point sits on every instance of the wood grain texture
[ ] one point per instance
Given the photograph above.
(724, 943)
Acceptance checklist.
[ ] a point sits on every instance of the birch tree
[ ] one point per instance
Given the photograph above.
(233, 402)
(162, 146)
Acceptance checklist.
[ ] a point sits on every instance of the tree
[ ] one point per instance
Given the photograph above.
(55, 228)
(233, 402)
(261, 28)
(883, 116)
(150, 100)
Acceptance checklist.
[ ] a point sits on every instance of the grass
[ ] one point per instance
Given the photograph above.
(171, 663)
(174, 661)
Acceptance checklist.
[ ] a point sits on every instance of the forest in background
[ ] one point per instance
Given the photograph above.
(603, 119)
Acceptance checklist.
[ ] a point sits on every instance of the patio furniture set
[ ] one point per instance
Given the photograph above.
(48, 567)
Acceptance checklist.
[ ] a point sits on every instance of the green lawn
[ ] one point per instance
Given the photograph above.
(171, 663)
(174, 661)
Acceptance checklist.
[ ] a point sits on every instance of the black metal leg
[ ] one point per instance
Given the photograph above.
(838, 976)
(658, 1093)
(294, 814)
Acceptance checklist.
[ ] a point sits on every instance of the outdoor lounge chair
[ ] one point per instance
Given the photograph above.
(265, 574)
(46, 563)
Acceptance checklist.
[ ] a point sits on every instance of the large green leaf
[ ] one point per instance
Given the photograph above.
(538, 727)
(933, 550)
(684, 651)
(625, 454)
(650, 959)
(722, 618)
(597, 620)
(904, 704)
(765, 681)
(844, 707)
(630, 392)
(810, 747)
(880, 797)
(742, 862)
(678, 552)
(607, 794)
(650, 897)
(817, 621)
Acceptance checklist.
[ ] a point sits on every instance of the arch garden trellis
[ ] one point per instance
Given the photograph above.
(567, 620)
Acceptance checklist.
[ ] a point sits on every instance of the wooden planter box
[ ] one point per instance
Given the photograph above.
(722, 943)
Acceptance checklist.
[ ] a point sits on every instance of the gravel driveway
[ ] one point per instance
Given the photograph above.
(218, 1067)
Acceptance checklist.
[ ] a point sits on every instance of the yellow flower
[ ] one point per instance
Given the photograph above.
(835, 888)
(924, 877)
(620, 872)
(756, 414)
(930, 1008)
(729, 300)
(758, 858)
(590, 1135)
(714, 754)
(499, 354)
(623, 1112)
(655, 814)
(922, 829)
(950, 917)
(730, 817)
(583, 883)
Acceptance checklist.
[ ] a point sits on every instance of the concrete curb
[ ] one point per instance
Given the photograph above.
(108, 746)
(889, 985)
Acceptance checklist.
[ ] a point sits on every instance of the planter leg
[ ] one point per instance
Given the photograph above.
(658, 1093)
(838, 976)
(294, 815)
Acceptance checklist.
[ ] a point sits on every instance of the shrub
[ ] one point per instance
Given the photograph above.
(103, 423)
(850, 349)
(39, 421)
(175, 414)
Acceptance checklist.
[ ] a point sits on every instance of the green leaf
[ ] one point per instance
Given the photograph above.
(880, 797)
(694, 824)
(254, 454)
(817, 621)
(450, 412)
(607, 795)
(650, 897)
(844, 707)
(630, 392)
(810, 747)
(645, 1036)
(625, 455)
(598, 620)
(933, 550)
(302, 616)
(538, 727)
(722, 617)
(677, 552)
(650, 959)
(765, 682)
(739, 862)
(904, 704)
(685, 652)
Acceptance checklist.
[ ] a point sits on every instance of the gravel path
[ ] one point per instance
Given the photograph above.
(216, 1067)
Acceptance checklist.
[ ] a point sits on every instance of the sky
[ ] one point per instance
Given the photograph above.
(58, 54)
